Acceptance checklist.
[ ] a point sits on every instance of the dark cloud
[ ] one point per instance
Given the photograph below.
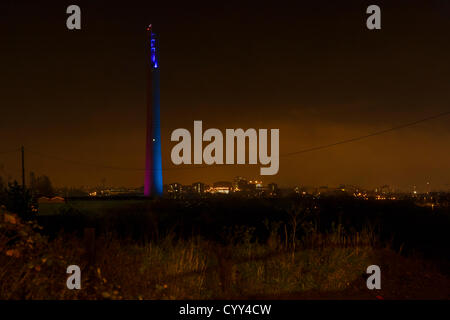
(313, 70)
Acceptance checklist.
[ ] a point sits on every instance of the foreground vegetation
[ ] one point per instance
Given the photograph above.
(32, 267)
(222, 248)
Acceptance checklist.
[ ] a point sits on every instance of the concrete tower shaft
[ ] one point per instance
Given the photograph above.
(153, 185)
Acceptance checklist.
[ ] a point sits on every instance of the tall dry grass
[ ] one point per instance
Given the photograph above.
(32, 267)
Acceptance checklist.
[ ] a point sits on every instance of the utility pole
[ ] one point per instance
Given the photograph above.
(23, 168)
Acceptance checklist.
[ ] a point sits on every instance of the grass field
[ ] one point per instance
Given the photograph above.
(224, 249)
(87, 206)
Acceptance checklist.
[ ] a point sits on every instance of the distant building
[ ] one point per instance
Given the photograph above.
(189, 189)
(240, 184)
(300, 190)
(174, 190)
(272, 189)
(257, 184)
(198, 188)
(221, 187)
(323, 190)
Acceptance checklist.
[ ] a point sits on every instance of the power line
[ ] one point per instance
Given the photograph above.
(102, 166)
(354, 139)
(83, 163)
(367, 135)
(10, 151)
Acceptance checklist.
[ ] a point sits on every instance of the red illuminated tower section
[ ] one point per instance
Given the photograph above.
(153, 185)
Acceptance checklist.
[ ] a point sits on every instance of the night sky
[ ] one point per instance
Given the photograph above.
(312, 70)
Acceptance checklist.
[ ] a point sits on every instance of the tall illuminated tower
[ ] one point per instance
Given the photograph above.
(153, 185)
